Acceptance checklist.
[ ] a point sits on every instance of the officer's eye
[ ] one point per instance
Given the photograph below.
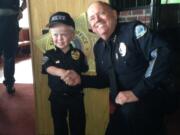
(56, 34)
(91, 18)
(101, 13)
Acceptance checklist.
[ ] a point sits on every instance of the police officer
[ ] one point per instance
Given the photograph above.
(65, 100)
(10, 12)
(133, 62)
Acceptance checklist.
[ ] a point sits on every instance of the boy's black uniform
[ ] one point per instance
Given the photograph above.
(66, 99)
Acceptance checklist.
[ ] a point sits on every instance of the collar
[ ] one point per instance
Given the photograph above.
(60, 51)
(113, 37)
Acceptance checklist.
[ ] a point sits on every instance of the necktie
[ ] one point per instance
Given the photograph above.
(111, 73)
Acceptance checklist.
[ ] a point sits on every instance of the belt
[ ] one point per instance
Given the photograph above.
(67, 94)
(72, 94)
(8, 12)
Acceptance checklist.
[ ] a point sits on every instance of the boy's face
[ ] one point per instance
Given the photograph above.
(62, 35)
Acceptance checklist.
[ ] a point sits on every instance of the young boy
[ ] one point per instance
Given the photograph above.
(65, 100)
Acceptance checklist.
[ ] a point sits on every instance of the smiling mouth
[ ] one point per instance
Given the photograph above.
(100, 25)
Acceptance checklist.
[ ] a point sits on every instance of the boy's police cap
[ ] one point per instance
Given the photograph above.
(60, 17)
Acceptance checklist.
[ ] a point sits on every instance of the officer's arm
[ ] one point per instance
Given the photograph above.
(157, 54)
(84, 63)
(95, 81)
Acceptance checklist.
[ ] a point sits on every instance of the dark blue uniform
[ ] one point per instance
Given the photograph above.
(66, 99)
(140, 62)
(9, 34)
(9, 4)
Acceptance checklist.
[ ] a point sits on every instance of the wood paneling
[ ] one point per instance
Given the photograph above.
(96, 102)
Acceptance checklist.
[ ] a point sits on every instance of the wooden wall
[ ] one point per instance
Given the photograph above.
(96, 102)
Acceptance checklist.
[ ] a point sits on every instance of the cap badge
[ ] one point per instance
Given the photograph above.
(58, 17)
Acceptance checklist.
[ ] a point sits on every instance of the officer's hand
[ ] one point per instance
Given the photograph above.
(71, 78)
(125, 97)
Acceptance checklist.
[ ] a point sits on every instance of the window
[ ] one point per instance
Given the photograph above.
(170, 1)
(129, 4)
(24, 21)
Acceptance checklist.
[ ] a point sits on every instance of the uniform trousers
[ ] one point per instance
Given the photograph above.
(9, 36)
(144, 117)
(71, 107)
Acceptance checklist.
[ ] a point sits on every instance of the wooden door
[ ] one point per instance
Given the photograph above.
(96, 101)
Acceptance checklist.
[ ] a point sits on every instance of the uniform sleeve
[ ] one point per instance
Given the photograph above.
(94, 81)
(84, 64)
(46, 62)
(99, 80)
(157, 53)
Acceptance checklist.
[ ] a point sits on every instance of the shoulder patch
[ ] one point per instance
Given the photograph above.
(44, 59)
(140, 30)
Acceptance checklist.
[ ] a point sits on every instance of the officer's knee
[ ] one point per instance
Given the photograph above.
(131, 110)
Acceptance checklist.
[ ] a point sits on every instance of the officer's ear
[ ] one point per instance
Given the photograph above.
(114, 14)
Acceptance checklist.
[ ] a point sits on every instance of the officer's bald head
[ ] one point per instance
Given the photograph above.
(102, 3)
(102, 18)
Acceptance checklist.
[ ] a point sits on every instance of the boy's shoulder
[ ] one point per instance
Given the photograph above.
(51, 51)
(73, 49)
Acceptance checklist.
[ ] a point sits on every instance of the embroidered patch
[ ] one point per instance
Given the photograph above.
(57, 62)
(140, 30)
(150, 68)
(122, 49)
(44, 59)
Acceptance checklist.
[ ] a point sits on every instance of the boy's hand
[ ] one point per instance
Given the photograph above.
(71, 78)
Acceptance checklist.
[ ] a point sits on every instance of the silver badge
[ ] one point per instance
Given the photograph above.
(116, 56)
(122, 49)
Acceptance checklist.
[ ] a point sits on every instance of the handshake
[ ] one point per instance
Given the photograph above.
(70, 77)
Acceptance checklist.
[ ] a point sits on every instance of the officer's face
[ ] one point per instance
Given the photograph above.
(62, 35)
(102, 20)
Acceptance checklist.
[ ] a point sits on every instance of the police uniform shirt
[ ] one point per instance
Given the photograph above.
(74, 59)
(140, 59)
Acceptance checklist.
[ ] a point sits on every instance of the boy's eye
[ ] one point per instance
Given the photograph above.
(64, 34)
(60, 34)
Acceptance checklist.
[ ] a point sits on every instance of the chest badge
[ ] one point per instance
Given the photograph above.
(122, 49)
(75, 55)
